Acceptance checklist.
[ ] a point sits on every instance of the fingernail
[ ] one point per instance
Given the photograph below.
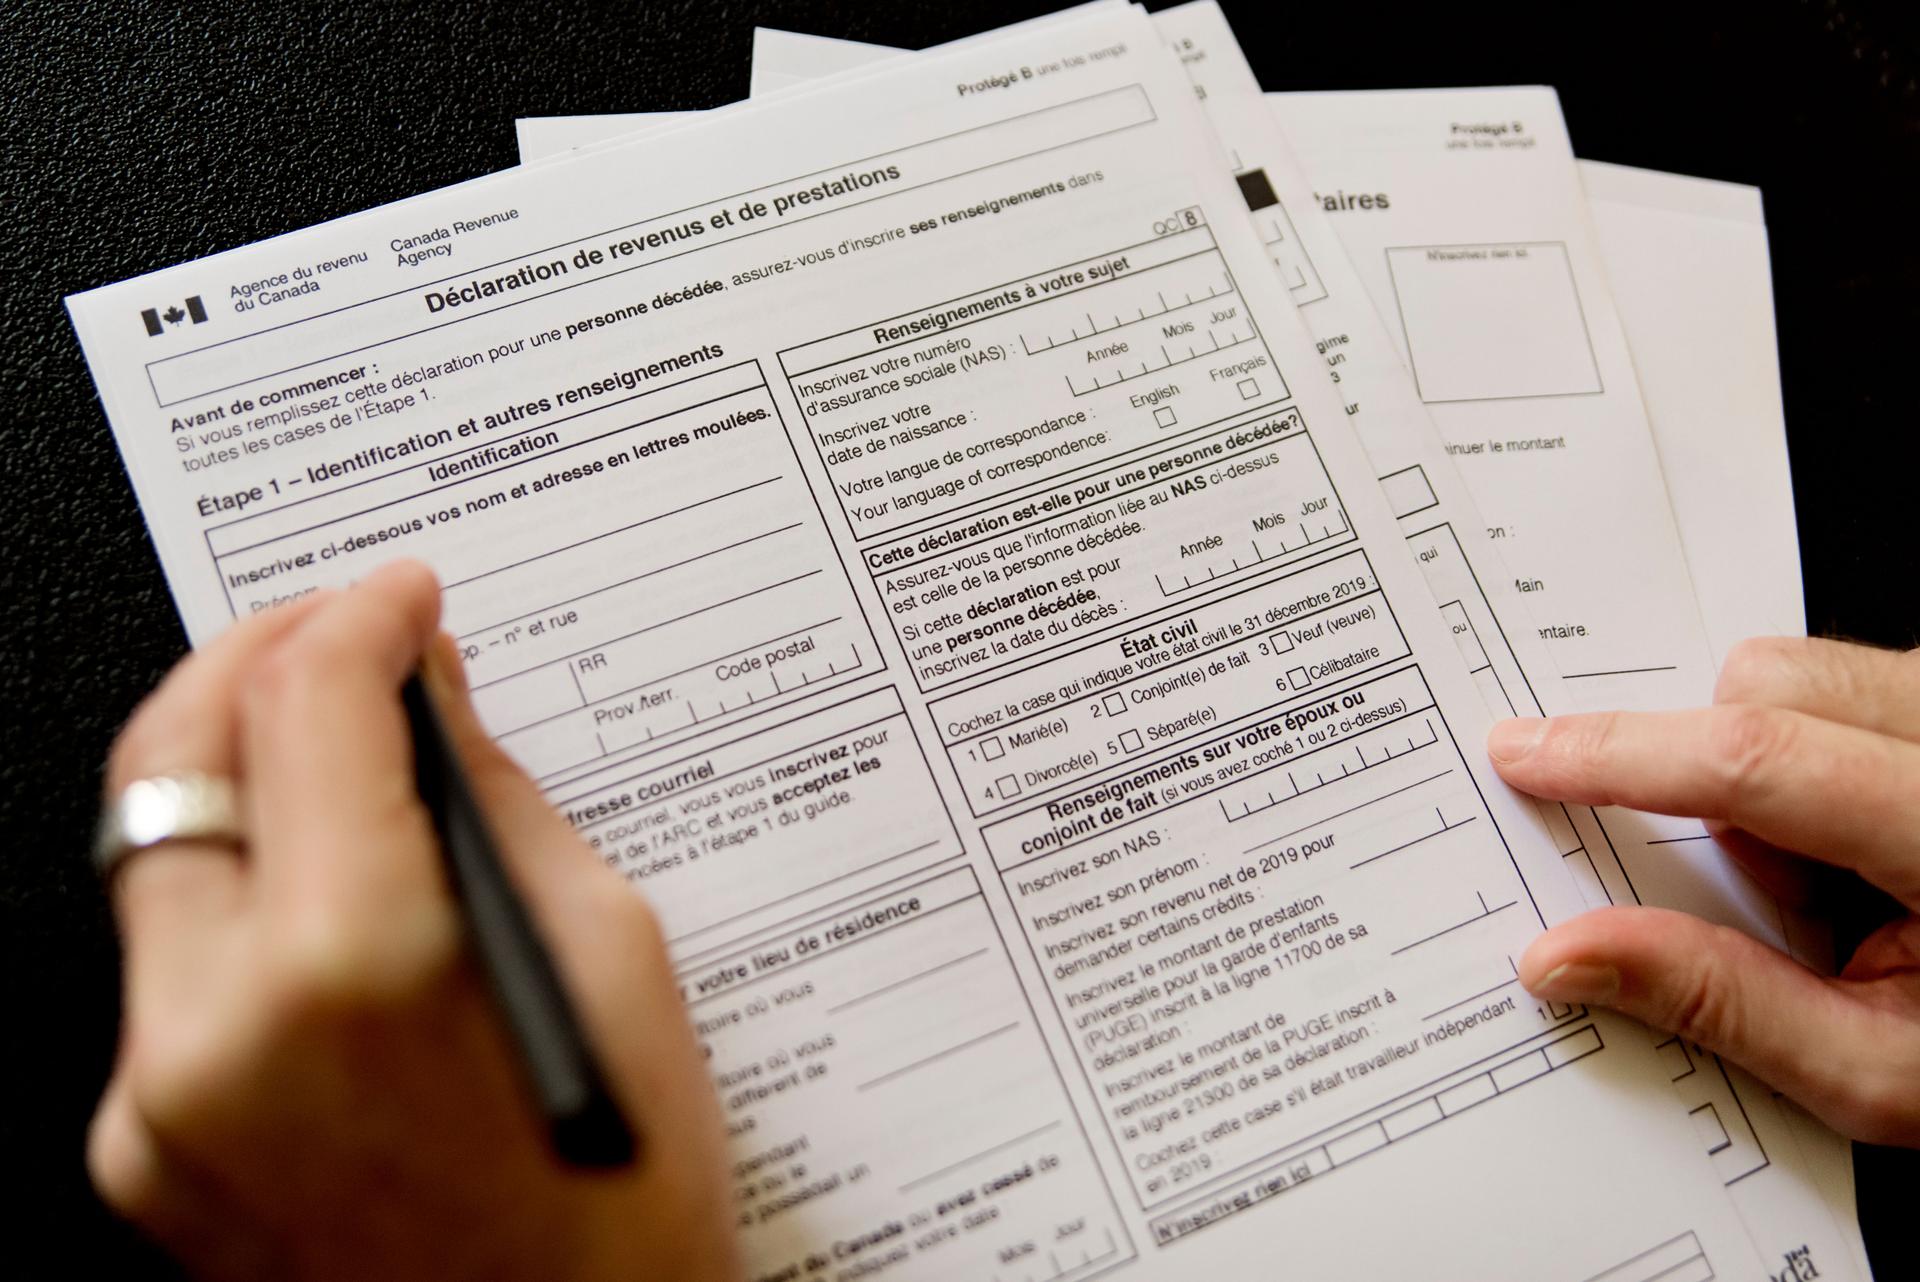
(1579, 983)
(1514, 738)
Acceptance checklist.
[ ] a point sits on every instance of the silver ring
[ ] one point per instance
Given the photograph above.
(181, 806)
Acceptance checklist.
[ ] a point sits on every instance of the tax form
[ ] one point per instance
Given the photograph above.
(1541, 495)
(1462, 212)
(909, 535)
(1789, 1176)
(1672, 863)
(1775, 1192)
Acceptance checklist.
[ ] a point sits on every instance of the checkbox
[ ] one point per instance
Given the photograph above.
(991, 748)
(1298, 679)
(1116, 704)
(1248, 389)
(1006, 786)
(1282, 643)
(1163, 417)
(1130, 741)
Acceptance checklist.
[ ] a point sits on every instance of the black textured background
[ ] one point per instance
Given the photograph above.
(140, 135)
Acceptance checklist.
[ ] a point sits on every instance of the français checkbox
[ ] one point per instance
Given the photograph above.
(1007, 786)
(1249, 389)
(1116, 703)
(991, 748)
(1298, 679)
(1130, 741)
(1164, 417)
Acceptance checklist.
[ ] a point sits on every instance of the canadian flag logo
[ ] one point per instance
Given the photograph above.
(189, 309)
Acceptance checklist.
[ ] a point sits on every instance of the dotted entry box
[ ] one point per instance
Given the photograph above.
(1493, 321)
(1298, 679)
(991, 748)
(1116, 704)
(1007, 786)
(1249, 389)
(1130, 741)
(1164, 417)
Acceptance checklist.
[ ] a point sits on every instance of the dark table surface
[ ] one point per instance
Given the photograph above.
(141, 135)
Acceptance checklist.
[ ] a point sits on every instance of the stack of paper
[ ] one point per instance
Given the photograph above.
(1017, 559)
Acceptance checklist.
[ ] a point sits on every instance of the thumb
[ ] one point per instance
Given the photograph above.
(587, 910)
(1735, 996)
(614, 960)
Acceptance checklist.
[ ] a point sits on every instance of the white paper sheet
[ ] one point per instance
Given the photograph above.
(1687, 259)
(1668, 863)
(1790, 1176)
(912, 744)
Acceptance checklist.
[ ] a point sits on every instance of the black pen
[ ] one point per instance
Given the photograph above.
(584, 1124)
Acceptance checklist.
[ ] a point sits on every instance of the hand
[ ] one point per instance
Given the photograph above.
(311, 1081)
(1812, 748)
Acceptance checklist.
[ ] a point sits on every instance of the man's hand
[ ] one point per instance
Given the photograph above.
(1808, 761)
(312, 1081)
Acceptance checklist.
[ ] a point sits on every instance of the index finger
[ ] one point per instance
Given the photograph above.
(337, 821)
(1856, 685)
(1837, 793)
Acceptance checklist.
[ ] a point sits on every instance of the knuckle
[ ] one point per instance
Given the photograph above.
(1883, 1108)
(1752, 668)
(382, 625)
(115, 1175)
(1884, 1100)
(1702, 1007)
(1590, 742)
(1745, 741)
(334, 968)
(277, 683)
(321, 973)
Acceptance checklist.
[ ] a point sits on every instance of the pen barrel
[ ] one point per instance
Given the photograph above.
(585, 1124)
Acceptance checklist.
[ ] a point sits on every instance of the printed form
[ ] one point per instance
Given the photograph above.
(1473, 590)
(918, 548)
(1523, 168)
(1778, 1164)
(1463, 174)
(1789, 1176)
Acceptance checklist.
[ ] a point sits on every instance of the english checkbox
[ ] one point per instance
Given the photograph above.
(1164, 417)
